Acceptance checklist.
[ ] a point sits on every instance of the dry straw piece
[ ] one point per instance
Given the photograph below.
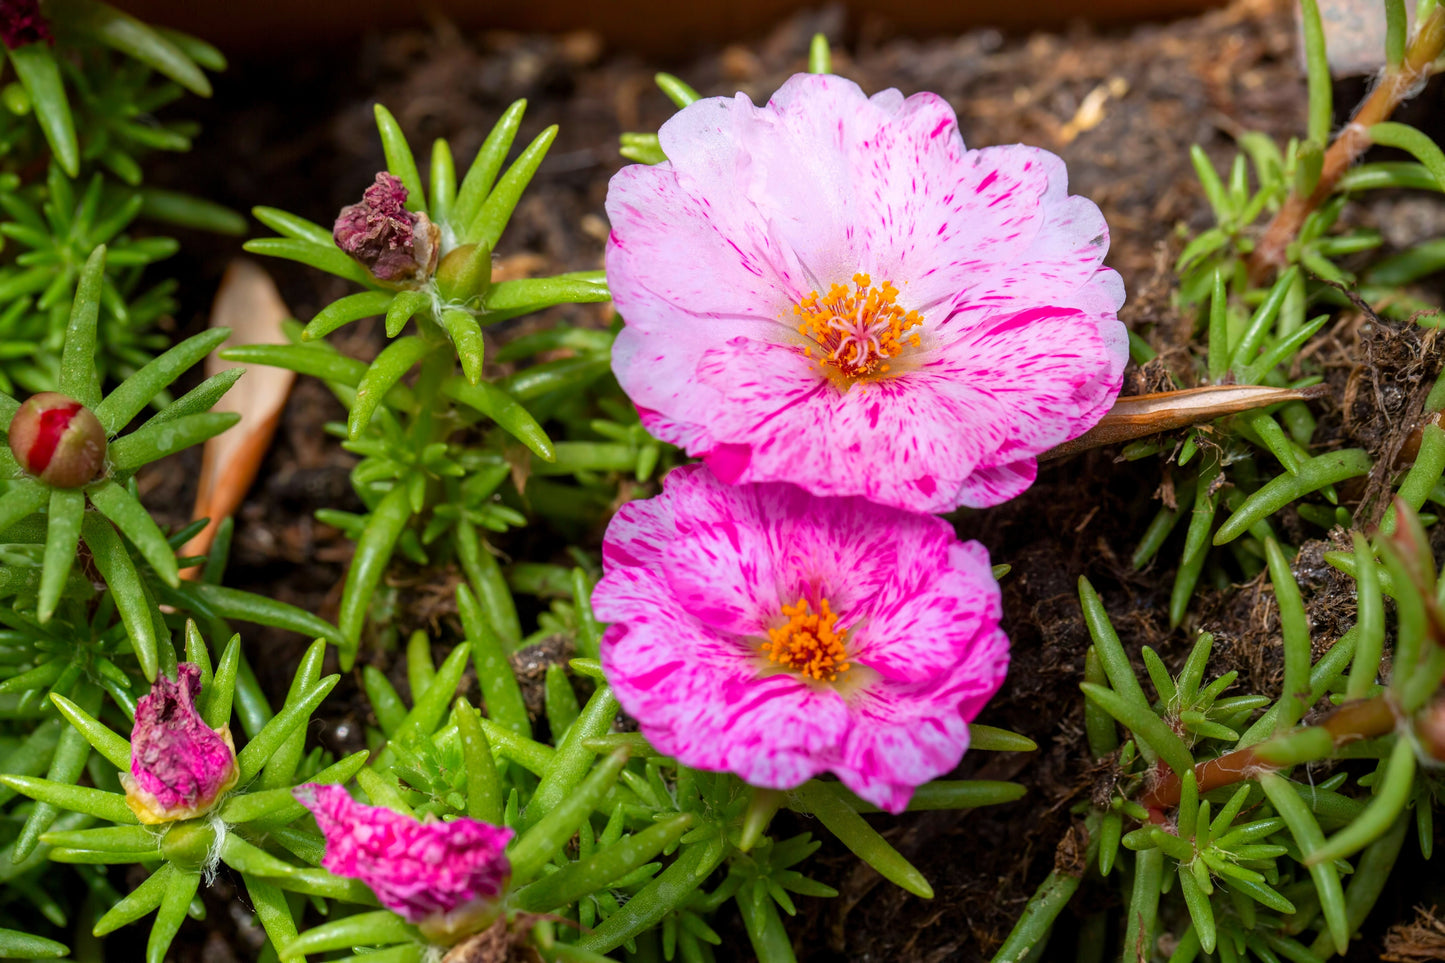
(248, 303)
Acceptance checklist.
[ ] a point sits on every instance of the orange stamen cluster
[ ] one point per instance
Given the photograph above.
(809, 644)
(857, 331)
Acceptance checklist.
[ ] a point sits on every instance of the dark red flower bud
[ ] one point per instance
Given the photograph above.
(396, 245)
(58, 440)
(21, 23)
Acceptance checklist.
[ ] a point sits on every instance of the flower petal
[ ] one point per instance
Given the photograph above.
(424, 872)
(1062, 267)
(179, 766)
(715, 263)
(940, 220)
(722, 575)
(904, 736)
(694, 577)
(1020, 347)
(908, 442)
(943, 597)
(996, 484)
(697, 696)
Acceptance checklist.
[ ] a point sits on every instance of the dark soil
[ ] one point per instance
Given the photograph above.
(1120, 107)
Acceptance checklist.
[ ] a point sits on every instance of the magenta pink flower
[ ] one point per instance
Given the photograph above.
(179, 766)
(831, 291)
(760, 630)
(446, 877)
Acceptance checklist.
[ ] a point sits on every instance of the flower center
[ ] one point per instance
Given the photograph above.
(809, 644)
(857, 331)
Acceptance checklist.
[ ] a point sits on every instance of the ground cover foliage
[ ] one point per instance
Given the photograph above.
(1243, 769)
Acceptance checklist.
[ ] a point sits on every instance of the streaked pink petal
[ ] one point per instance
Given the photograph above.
(942, 598)
(997, 484)
(943, 220)
(760, 205)
(750, 280)
(431, 873)
(721, 575)
(696, 577)
(179, 766)
(908, 441)
(905, 737)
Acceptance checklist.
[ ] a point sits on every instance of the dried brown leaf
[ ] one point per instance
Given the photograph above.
(1139, 416)
(248, 303)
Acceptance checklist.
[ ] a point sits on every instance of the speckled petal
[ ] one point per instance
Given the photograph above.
(1062, 266)
(694, 579)
(731, 597)
(659, 373)
(987, 487)
(940, 220)
(908, 442)
(822, 182)
(942, 597)
(904, 737)
(433, 873)
(697, 697)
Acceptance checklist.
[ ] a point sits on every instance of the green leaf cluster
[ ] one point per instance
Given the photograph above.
(251, 831)
(90, 595)
(447, 454)
(1251, 855)
(76, 125)
(1229, 478)
(625, 850)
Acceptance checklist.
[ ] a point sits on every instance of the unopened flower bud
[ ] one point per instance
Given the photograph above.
(58, 440)
(446, 877)
(396, 245)
(465, 272)
(179, 766)
(21, 23)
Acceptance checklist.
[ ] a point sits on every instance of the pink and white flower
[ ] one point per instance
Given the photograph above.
(179, 766)
(447, 877)
(760, 630)
(830, 290)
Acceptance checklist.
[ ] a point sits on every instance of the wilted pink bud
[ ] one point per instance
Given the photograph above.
(57, 439)
(21, 23)
(396, 245)
(179, 766)
(445, 877)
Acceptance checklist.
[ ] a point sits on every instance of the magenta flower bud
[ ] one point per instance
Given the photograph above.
(179, 766)
(396, 245)
(446, 877)
(58, 440)
(21, 23)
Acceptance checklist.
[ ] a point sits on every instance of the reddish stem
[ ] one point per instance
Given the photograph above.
(1352, 722)
(1398, 85)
